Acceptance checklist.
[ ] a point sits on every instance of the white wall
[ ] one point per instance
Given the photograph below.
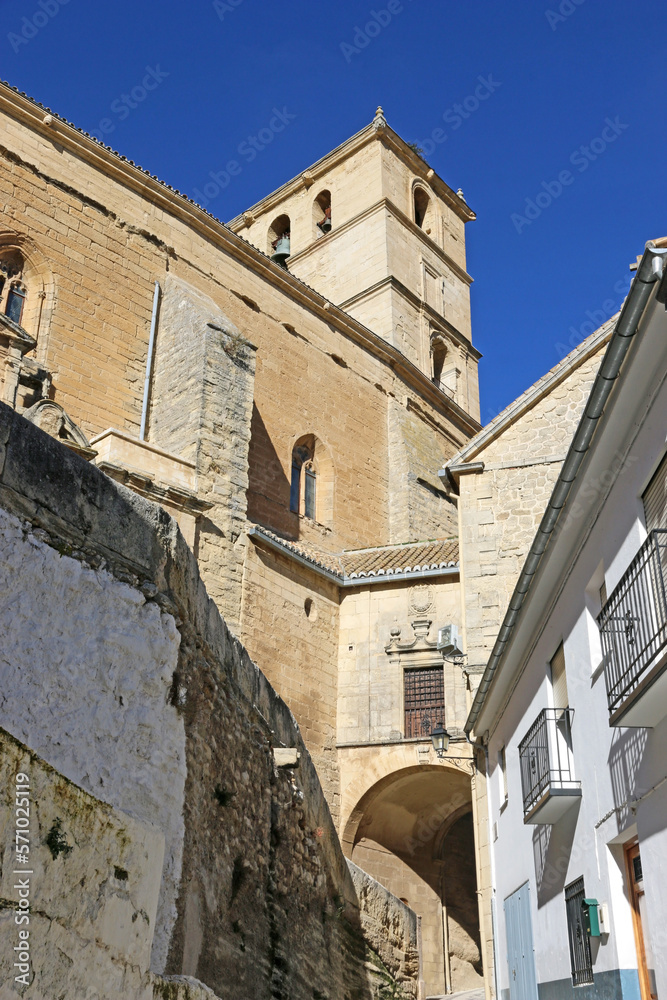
(614, 765)
(77, 645)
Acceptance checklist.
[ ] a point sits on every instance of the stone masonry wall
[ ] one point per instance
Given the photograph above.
(202, 409)
(105, 243)
(262, 901)
(501, 508)
(275, 591)
(420, 509)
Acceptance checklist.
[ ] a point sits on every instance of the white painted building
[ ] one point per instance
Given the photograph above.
(572, 707)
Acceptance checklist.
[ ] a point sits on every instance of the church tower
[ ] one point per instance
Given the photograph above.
(374, 228)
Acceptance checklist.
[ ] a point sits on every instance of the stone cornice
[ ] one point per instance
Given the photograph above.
(437, 317)
(125, 173)
(385, 204)
(369, 134)
(16, 335)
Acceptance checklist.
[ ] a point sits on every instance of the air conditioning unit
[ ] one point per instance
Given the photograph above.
(449, 643)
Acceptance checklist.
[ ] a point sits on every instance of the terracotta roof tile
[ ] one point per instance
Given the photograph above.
(326, 560)
(435, 554)
(386, 560)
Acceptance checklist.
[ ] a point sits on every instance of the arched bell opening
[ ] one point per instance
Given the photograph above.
(322, 213)
(279, 240)
(412, 832)
(423, 209)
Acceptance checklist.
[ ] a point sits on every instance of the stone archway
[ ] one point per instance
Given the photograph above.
(412, 830)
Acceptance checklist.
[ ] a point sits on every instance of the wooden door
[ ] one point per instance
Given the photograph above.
(645, 963)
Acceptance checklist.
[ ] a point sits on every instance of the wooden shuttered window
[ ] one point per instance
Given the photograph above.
(655, 499)
(559, 679)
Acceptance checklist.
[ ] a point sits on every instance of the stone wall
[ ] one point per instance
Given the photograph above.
(275, 592)
(501, 508)
(182, 734)
(105, 232)
(420, 509)
(202, 409)
(90, 889)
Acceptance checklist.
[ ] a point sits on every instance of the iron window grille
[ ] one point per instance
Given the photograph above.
(545, 756)
(633, 622)
(580, 945)
(424, 691)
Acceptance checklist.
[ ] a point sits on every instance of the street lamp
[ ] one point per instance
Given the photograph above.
(440, 739)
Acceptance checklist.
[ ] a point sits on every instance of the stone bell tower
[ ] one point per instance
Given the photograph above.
(374, 228)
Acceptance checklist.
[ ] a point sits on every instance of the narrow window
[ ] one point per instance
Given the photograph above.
(309, 492)
(15, 302)
(655, 498)
(559, 679)
(302, 459)
(603, 594)
(439, 352)
(502, 776)
(295, 487)
(580, 945)
(424, 696)
(421, 206)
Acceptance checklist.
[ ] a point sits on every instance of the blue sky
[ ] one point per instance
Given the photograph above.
(563, 161)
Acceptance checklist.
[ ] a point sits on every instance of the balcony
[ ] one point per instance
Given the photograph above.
(547, 774)
(633, 627)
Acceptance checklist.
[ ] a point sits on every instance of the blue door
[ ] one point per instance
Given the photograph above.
(520, 953)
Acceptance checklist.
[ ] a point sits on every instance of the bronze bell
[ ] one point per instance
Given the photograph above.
(281, 249)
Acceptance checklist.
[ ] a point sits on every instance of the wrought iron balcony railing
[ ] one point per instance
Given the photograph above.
(633, 628)
(547, 771)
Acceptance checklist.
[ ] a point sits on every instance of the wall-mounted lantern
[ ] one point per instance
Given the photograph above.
(440, 739)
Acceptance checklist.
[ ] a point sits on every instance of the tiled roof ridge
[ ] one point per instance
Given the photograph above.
(306, 550)
(335, 563)
(398, 545)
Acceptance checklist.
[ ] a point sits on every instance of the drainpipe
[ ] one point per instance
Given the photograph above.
(492, 863)
(149, 362)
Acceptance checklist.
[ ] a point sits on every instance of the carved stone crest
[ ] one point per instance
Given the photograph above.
(421, 599)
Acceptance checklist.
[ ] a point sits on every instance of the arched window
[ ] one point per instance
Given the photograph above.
(302, 457)
(12, 289)
(311, 485)
(421, 205)
(322, 213)
(438, 356)
(279, 239)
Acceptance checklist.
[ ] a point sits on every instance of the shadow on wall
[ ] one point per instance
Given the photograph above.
(268, 486)
(625, 758)
(552, 851)
(459, 894)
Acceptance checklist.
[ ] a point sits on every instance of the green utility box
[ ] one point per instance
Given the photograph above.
(591, 918)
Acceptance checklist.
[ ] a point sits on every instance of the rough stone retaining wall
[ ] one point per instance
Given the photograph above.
(127, 681)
